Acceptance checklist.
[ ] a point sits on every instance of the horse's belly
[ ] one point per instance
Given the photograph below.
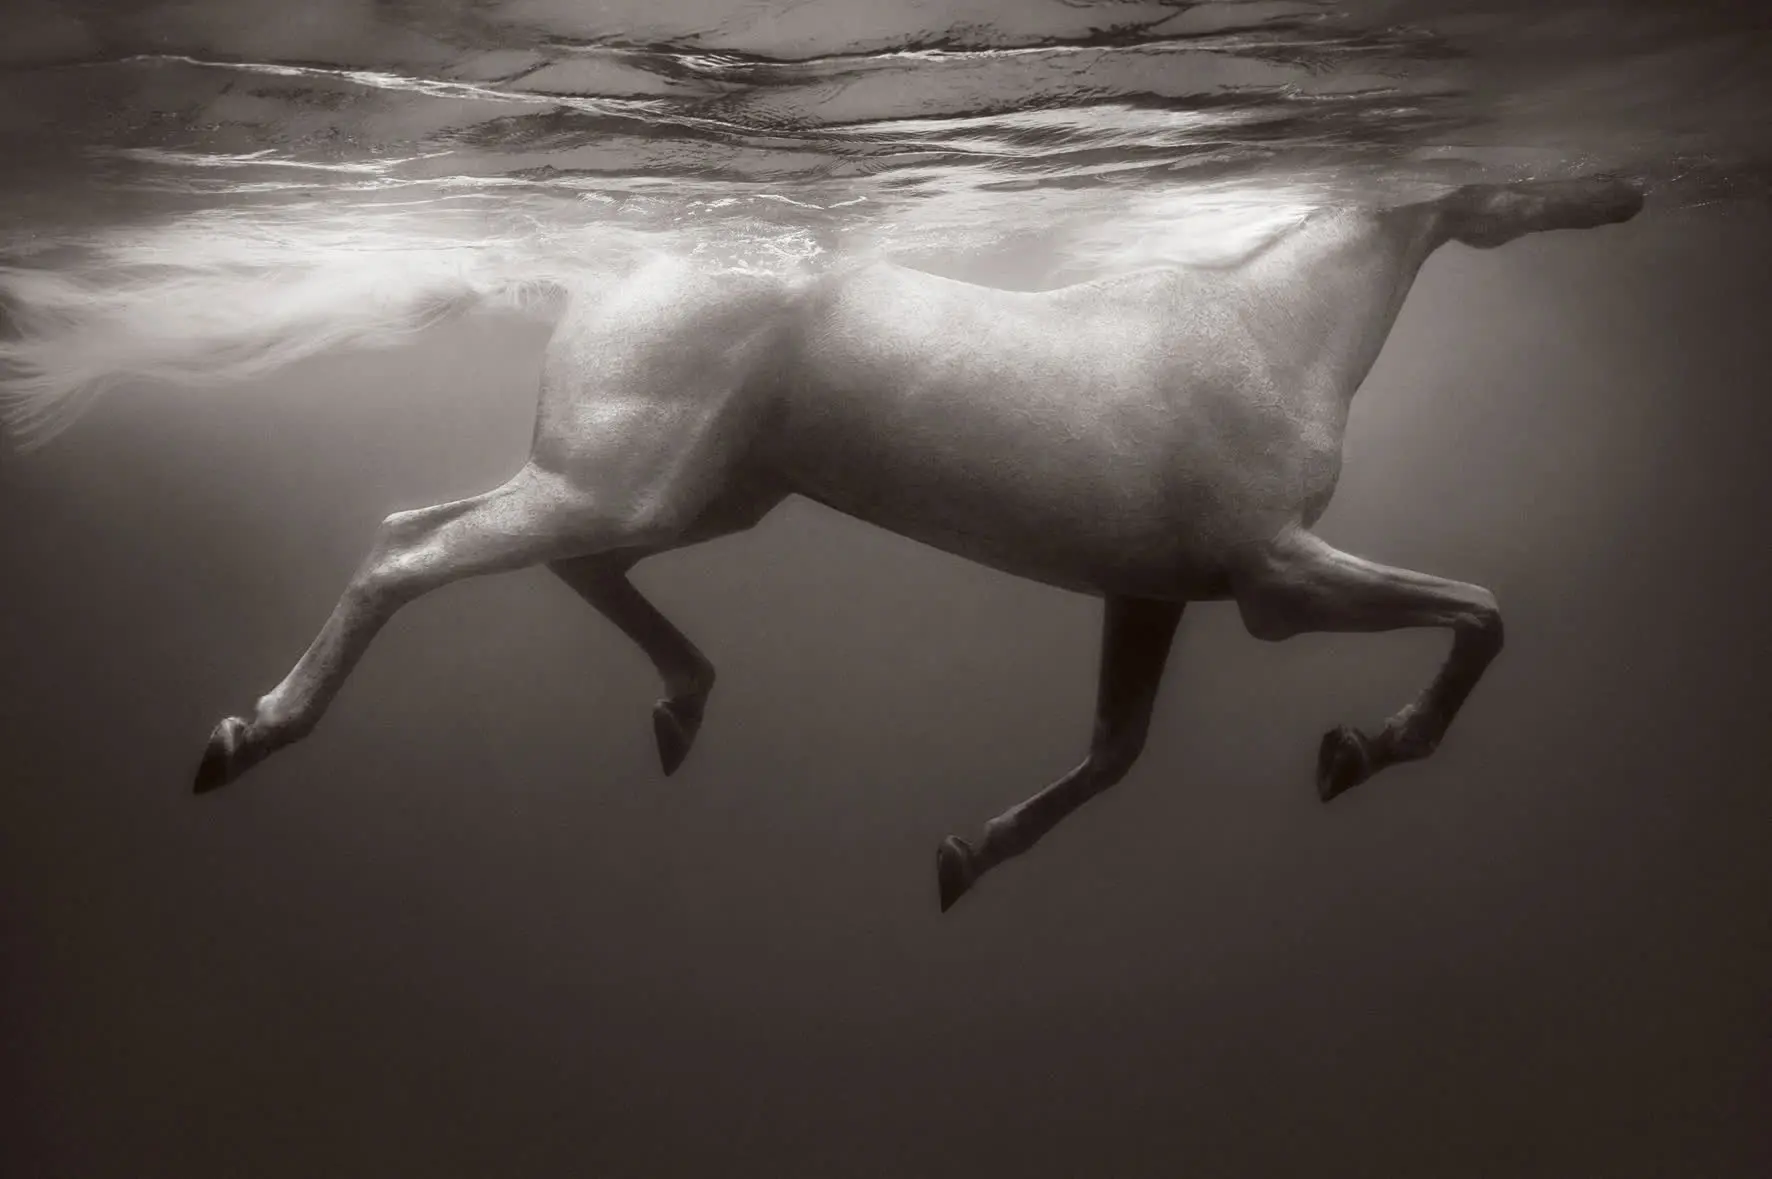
(1052, 498)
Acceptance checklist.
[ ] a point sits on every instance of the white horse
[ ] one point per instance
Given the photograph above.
(1154, 439)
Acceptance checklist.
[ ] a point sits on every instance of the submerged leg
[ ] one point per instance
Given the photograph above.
(535, 517)
(602, 581)
(1303, 584)
(687, 674)
(1136, 637)
(645, 413)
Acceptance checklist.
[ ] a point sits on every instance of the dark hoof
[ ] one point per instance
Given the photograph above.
(1344, 760)
(674, 724)
(955, 870)
(222, 759)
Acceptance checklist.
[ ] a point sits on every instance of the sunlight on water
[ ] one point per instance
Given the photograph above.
(194, 208)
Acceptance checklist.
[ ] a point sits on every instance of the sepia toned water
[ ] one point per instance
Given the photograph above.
(468, 928)
(951, 125)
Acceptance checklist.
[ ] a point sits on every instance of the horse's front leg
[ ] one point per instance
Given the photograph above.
(1301, 584)
(1136, 636)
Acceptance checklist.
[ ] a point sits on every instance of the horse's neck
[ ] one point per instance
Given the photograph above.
(1327, 297)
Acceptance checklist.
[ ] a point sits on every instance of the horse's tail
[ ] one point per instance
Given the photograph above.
(221, 299)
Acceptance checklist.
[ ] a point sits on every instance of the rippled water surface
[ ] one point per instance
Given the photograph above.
(950, 123)
(178, 155)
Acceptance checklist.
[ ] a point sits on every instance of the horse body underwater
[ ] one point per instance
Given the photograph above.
(1158, 438)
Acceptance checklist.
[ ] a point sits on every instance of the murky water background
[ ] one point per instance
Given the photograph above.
(467, 928)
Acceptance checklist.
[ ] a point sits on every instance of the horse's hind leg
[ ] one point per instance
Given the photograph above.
(1136, 636)
(1302, 584)
(642, 421)
(687, 674)
(537, 516)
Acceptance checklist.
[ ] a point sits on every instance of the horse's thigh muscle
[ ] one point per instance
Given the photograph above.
(651, 395)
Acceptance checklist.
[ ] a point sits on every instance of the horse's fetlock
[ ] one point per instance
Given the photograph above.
(1483, 624)
(1412, 747)
(696, 680)
(1410, 735)
(1004, 836)
(279, 724)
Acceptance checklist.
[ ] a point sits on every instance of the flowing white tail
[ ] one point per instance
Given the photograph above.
(225, 297)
